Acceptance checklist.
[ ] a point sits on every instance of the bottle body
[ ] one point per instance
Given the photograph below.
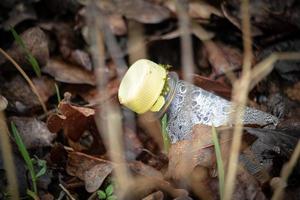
(192, 105)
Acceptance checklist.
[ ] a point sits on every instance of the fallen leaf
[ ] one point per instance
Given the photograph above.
(91, 170)
(74, 120)
(143, 186)
(266, 16)
(222, 58)
(33, 132)
(145, 170)
(185, 155)
(294, 92)
(80, 58)
(217, 87)
(92, 95)
(202, 10)
(246, 187)
(117, 24)
(18, 14)
(20, 96)
(132, 144)
(140, 10)
(196, 9)
(95, 176)
(155, 196)
(45, 87)
(68, 73)
(287, 69)
(79, 163)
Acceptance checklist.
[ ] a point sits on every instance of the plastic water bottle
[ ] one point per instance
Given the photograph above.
(148, 86)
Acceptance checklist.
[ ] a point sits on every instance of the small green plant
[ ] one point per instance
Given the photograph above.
(166, 138)
(57, 93)
(219, 161)
(30, 163)
(31, 59)
(107, 194)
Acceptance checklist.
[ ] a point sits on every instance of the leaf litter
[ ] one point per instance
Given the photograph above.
(67, 137)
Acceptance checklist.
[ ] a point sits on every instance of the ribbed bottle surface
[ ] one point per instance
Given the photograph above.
(192, 105)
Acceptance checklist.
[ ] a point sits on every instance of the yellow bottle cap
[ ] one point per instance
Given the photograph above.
(141, 87)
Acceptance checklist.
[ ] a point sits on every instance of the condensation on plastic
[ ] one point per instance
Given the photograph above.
(192, 105)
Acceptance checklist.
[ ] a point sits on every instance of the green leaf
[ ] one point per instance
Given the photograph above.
(101, 194)
(30, 58)
(57, 93)
(25, 155)
(43, 167)
(17, 38)
(34, 63)
(219, 161)
(113, 197)
(32, 194)
(165, 135)
(109, 190)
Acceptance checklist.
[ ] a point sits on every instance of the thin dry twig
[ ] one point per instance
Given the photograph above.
(285, 172)
(240, 96)
(67, 192)
(8, 158)
(186, 40)
(22, 72)
(108, 119)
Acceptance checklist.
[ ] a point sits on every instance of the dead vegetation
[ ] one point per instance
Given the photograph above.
(246, 51)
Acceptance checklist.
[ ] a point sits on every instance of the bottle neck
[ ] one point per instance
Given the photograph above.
(172, 79)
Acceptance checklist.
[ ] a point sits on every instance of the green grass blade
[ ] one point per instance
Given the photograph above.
(30, 58)
(25, 155)
(17, 38)
(219, 161)
(57, 93)
(32, 195)
(34, 63)
(165, 135)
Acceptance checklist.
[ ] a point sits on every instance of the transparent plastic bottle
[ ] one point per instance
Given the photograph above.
(187, 105)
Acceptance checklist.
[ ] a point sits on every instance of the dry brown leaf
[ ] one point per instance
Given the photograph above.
(33, 132)
(155, 196)
(117, 24)
(20, 95)
(68, 73)
(222, 58)
(142, 11)
(90, 169)
(45, 87)
(132, 144)
(217, 87)
(74, 120)
(202, 10)
(93, 97)
(145, 170)
(80, 58)
(18, 14)
(143, 186)
(294, 92)
(185, 155)
(95, 176)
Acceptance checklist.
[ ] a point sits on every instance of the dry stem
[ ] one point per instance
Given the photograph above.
(240, 96)
(108, 118)
(285, 172)
(26, 78)
(9, 164)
